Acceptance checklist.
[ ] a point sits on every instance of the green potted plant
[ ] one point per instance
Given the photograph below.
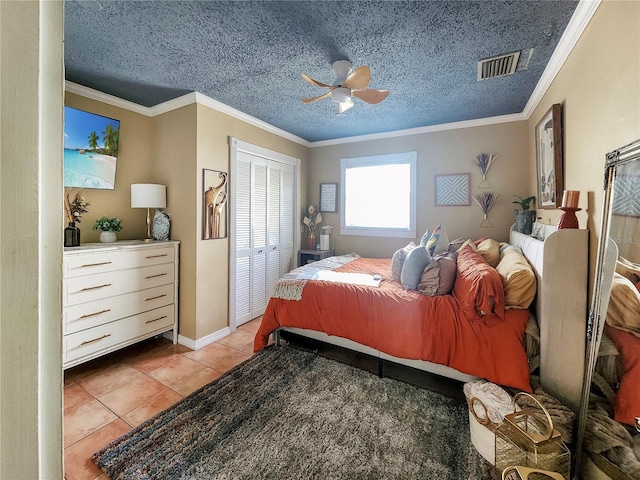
(109, 227)
(525, 216)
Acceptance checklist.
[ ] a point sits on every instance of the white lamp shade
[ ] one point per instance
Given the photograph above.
(148, 195)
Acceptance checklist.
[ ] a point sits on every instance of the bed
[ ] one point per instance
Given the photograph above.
(442, 334)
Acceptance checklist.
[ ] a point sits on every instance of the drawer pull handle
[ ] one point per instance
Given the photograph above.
(95, 264)
(158, 256)
(156, 319)
(97, 286)
(96, 313)
(155, 298)
(95, 339)
(154, 276)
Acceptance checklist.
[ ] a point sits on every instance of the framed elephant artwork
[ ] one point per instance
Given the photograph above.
(214, 203)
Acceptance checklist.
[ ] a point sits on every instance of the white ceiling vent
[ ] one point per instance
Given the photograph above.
(498, 66)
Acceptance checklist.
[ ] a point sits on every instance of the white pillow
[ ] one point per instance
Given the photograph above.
(397, 261)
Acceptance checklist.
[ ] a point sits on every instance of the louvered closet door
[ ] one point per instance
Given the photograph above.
(259, 247)
(243, 238)
(264, 203)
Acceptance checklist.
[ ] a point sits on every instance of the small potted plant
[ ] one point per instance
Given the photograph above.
(526, 216)
(109, 227)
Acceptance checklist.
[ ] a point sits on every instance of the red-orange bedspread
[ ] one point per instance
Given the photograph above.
(406, 324)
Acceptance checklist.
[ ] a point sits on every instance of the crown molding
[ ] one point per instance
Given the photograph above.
(579, 21)
(182, 101)
(106, 98)
(480, 122)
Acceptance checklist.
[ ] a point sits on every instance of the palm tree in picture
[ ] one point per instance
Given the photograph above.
(110, 139)
(93, 140)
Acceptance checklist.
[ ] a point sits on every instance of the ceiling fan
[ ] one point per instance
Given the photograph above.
(348, 84)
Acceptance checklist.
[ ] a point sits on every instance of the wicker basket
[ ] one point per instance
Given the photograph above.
(482, 431)
(526, 439)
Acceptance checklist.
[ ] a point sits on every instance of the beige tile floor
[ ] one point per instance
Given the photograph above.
(106, 397)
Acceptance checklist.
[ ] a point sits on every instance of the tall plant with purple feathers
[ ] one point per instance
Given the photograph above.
(485, 201)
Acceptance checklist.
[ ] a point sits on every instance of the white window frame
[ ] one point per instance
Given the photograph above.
(371, 161)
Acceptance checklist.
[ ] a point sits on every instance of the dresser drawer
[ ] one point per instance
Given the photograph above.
(98, 340)
(89, 263)
(87, 315)
(102, 285)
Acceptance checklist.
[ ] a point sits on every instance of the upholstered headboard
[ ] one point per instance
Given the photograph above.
(561, 263)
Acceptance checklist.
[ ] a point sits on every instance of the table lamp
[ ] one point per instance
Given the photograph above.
(148, 195)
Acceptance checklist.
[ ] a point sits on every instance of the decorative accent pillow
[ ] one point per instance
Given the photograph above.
(628, 269)
(397, 261)
(626, 407)
(433, 240)
(478, 288)
(518, 279)
(624, 305)
(425, 238)
(415, 262)
(439, 276)
(454, 245)
(490, 251)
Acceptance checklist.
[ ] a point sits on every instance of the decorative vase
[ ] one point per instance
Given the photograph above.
(161, 226)
(568, 219)
(524, 221)
(108, 237)
(72, 235)
(311, 241)
(485, 222)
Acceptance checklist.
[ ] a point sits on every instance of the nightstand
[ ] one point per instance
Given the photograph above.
(309, 256)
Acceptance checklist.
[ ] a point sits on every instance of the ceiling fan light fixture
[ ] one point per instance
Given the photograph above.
(341, 95)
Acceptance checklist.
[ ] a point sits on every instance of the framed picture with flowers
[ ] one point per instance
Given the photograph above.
(214, 199)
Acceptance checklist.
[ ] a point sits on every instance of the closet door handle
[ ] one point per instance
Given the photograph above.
(158, 256)
(96, 287)
(259, 251)
(95, 313)
(156, 319)
(154, 276)
(86, 342)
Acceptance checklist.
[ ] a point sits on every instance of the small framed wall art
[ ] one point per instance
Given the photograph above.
(549, 158)
(328, 197)
(453, 190)
(214, 200)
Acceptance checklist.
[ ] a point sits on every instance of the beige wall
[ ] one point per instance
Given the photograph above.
(134, 165)
(31, 240)
(185, 141)
(447, 152)
(599, 89)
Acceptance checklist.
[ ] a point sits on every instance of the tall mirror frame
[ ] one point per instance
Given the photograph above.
(608, 442)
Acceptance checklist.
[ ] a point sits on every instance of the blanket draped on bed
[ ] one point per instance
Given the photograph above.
(405, 324)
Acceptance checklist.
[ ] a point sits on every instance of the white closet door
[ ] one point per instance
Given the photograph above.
(274, 198)
(259, 248)
(243, 239)
(265, 195)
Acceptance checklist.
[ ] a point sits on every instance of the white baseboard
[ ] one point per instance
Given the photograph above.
(204, 341)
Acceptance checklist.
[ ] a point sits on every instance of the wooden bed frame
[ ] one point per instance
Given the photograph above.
(560, 262)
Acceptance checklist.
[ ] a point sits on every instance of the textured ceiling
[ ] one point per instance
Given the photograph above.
(249, 55)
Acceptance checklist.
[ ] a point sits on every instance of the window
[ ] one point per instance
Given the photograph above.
(379, 195)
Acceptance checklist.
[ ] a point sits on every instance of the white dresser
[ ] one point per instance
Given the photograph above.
(117, 294)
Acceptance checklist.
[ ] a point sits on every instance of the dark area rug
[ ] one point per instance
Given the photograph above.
(290, 414)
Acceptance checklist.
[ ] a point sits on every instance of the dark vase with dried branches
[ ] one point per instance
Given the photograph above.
(74, 210)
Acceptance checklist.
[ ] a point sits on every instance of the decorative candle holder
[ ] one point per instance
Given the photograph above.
(568, 219)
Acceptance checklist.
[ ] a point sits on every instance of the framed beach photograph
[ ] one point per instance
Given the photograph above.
(453, 190)
(214, 201)
(90, 150)
(549, 158)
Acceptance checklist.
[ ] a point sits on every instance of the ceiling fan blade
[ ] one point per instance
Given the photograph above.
(371, 96)
(319, 97)
(316, 82)
(344, 106)
(359, 78)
